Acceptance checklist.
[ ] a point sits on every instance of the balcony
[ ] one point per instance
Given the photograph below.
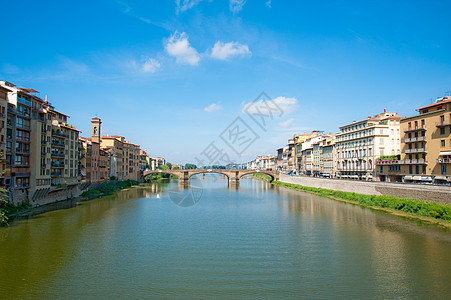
(22, 151)
(23, 138)
(58, 144)
(389, 162)
(56, 174)
(420, 161)
(416, 128)
(20, 174)
(444, 160)
(57, 165)
(415, 139)
(24, 101)
(442, 124)
(11, 110)
(59, 155)
(59, 134)
(415, 150)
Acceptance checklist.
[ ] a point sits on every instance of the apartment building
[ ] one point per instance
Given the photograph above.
(291, 155)
(426, 147)
(268, 162)
(279, 159)
(3, 120)
(327, 158)
(156, 162)
(64, 151)
(360, 143)
(309, 159)
(124, 162)
(299, 139)
(143, 160)
(41, 148)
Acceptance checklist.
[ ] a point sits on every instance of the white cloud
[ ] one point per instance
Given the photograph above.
(287, 123)
(179, 47)
(268, 3)
(212, 107)
(224, 51)
(183, 5)
(278, 106)
(236, 5)
(151, 65)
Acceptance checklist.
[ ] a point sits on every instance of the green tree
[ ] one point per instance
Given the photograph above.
(190, 166)
(3, 202)
(169, 165)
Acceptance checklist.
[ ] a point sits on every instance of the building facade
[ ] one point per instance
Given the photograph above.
(359, 144)
(426, 147)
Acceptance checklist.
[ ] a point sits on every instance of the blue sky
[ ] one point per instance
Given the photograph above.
(173, 75)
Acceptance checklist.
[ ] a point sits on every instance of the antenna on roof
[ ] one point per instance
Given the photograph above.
(448, 93)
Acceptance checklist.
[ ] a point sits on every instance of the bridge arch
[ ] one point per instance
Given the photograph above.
(213, 171)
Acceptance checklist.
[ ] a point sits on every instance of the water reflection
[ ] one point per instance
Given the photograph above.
(256, 240)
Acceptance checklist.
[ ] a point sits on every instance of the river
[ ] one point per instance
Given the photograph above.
(251, 241)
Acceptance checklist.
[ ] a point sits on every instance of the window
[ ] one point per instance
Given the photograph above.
(442, 130)
(392, 131)
(381, 141)
(381, 151)
(443, 169)
(442, 143)
(381, 169)
(381, 131)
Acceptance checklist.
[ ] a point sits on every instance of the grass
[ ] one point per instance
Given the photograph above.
(411, 206)
(8, 209)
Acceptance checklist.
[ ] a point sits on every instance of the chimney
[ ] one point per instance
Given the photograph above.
(385, 110)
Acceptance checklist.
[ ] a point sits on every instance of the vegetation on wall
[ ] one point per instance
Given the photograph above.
(410, 206)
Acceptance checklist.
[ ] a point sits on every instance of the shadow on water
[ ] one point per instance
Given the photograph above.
(142, 191)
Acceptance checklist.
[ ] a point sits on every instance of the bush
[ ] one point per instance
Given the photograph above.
(106, 188)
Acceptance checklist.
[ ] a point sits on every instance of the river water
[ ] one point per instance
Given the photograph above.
(255, 241)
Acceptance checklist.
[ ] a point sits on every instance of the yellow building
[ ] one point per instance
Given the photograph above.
(426, 147)
(124, 160)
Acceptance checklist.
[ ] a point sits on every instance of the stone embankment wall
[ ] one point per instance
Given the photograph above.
(439, 194)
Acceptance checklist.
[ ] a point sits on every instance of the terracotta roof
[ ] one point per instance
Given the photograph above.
(446, 100)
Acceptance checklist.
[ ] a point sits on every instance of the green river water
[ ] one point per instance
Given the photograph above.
(256, 241)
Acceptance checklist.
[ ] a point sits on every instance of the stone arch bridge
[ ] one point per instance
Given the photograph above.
(234, 175)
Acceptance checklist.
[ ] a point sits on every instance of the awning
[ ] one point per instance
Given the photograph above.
(82, 173)
(443, 153)
(448, 179)
(408, 177)
(440, 177)
(416, 178)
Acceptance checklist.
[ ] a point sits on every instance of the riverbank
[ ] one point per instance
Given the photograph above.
(107, 188)
(407, 207)
(102, 189)
(262, 177)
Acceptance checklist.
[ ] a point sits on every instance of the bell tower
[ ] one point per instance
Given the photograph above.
(96, 129)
